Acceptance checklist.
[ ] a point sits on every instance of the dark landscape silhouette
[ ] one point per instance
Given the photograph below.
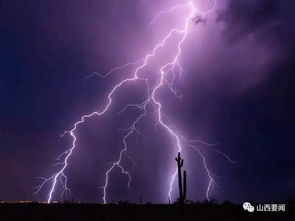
(127, 211)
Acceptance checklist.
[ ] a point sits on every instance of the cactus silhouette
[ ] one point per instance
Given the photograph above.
(184, 185)
(181, 182)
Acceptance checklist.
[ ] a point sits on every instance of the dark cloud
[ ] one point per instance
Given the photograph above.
(267, 19)
(262, 117)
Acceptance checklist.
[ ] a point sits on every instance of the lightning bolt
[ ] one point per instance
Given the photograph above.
(167, 68)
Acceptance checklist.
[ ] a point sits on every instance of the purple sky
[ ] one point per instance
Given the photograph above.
(236, 87)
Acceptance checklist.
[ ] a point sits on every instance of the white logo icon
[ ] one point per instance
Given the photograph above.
(247, 206)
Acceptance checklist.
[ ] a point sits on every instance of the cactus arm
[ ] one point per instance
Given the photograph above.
(184, 185)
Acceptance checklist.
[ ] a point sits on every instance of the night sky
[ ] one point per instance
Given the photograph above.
(237, 88)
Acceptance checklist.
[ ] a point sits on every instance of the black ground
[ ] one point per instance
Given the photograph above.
(124, 211)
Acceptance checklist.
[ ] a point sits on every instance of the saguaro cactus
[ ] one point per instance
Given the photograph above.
(181, 182)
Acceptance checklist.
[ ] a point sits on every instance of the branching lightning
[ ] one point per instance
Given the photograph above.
(167, 68)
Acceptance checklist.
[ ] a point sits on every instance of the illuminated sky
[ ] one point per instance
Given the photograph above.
(236, 91)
